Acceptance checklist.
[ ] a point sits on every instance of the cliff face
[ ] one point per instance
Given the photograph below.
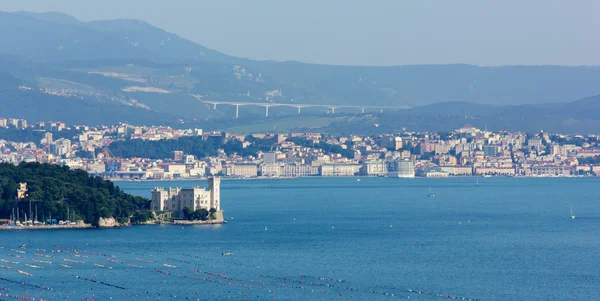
(111, 222)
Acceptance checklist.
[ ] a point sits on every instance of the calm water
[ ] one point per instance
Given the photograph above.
(337, 239)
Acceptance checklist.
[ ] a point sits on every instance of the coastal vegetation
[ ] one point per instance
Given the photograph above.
(32, 135)
(199, 147)
(61, 193)
(589, 160)
(198, 215)
(196, 146)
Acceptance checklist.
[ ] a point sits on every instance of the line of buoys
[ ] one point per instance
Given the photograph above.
(26, 284)
(100, 282)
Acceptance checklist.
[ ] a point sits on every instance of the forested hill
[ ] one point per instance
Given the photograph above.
(161, 149)
(54, 188)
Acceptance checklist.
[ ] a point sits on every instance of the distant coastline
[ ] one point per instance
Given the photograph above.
(345, 177)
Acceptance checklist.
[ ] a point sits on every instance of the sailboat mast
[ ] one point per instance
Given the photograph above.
(571, 207)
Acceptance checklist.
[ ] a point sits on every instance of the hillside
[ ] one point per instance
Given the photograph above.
(129, 70)
(54, 190)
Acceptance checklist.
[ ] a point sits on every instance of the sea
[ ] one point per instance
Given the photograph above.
(332, 239)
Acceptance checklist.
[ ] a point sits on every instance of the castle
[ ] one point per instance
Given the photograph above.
(175, 199)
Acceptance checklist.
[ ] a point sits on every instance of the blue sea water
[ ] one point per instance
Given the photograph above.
(336, 239)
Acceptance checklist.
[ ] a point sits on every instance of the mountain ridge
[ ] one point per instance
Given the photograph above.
(133, 66)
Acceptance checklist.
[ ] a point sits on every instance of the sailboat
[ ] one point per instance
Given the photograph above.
(572, 216)
(430, 194)
(477, 181)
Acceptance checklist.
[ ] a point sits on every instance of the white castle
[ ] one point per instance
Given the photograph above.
(175, 199)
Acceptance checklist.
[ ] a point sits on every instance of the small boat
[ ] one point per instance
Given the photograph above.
(572, 216)
(25, 273)
(430, 194)
(477, 181)
(226, 253)
(358, 180)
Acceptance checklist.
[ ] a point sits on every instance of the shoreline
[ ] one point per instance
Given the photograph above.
(348, 177)
(89, 226)
(46, 227)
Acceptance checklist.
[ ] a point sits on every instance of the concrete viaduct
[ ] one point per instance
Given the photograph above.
(292, 105)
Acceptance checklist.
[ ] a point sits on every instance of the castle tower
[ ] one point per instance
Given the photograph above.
(214, 185)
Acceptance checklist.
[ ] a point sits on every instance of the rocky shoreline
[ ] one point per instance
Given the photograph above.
(47, 227)
(113, 223)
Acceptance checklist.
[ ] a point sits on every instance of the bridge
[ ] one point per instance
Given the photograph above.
(298, 106)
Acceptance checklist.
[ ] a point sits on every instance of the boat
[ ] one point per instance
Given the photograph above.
(572, 216)
(226, 253)
(477, 181)
(430, 194)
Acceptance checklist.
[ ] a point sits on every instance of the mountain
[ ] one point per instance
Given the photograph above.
(132, 70)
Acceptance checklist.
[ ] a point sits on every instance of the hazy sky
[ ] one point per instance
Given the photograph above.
(368, 32)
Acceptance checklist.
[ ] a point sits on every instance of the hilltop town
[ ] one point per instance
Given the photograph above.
(164, 153)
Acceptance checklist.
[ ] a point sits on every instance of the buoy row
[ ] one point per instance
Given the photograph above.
(100, 282)
(26, 284)
(301, 286)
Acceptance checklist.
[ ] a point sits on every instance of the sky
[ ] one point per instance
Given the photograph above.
(374, 32)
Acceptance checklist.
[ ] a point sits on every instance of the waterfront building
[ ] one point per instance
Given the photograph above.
(373, 168)
(457, 170)
(339, 170)
(176, 199)
(270, 170)
(298, 170)
(242, 170)
(174, 170)
(401, 169)
(550, 171)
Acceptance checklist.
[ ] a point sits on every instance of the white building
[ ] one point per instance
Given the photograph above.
(401, 169)
(339, 170)
(373, 168)
(176, 199)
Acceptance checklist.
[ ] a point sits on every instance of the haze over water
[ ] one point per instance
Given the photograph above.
(508, 239)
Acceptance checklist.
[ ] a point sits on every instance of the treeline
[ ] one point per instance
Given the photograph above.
(32, 135)
(589, 160)
(162, 149)
(58, 191)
